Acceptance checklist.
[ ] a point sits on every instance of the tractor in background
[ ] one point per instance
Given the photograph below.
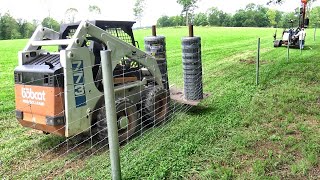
(289, 35)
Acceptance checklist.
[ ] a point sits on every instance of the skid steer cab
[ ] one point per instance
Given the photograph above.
(61, 92)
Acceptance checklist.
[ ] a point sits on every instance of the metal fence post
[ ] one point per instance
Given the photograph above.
(258, 63)
(111, 116)
(288, 50)
(314, 33)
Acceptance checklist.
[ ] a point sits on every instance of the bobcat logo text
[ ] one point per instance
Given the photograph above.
(31, 97)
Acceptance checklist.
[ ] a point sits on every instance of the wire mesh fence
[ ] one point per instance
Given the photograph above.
(151, 108)
(143, 111)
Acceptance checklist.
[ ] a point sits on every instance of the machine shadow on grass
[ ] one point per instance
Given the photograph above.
(311, 47)
(88, 144)
(84, 145)
(253, 61)
(60, 146)
(196, 110)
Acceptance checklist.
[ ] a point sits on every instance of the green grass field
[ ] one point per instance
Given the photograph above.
(242, 131)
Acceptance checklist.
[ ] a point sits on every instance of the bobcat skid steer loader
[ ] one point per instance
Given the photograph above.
(62, 93)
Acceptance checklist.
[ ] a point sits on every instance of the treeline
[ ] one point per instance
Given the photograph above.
(11, 28)
(251, 16)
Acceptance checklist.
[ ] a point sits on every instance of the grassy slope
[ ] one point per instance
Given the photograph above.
(241, 131)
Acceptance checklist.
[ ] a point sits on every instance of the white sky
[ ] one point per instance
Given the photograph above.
(122, 9)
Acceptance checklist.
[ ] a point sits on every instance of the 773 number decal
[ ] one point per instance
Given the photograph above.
(78, 81)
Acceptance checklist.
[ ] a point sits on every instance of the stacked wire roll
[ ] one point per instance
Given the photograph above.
(156, 46)
(192, 68)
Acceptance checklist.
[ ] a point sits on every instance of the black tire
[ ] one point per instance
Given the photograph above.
(156, 105)
(277, 43)
(124, 108)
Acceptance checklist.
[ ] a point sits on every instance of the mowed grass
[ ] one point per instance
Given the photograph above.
(242, 131)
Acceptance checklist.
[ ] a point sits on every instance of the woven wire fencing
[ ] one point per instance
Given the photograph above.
(39, 148)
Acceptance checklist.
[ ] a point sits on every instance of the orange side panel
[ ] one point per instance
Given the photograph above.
(34, 118)
(58, 130)
(40, 100)
(39, 122)
(35, 121)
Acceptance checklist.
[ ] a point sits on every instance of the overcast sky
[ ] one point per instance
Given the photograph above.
(122, 9)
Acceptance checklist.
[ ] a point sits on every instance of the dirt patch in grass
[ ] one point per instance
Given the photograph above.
(33, 131)
(194, 176)
(71, 155)
(246, 161)
(292, 131)
(271, 152)
(74, 165)
(252, 61)
(264, 147)
(71, 165)
(77, 161)
(280, 146)
(259, 151)
(314, 173)
(312, 123)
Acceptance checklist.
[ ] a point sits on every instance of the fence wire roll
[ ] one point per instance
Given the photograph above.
(192, 67)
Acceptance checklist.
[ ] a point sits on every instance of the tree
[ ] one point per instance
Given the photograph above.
(200, 19)
(94, 11)
(272, 17)
(278, 17)
(281, 1)
(51, 23)
(177, 20)
(26, 28)
(249, 23)
(252, 16)
(286, 18)
(187, 7)
(275, 2)
(217, 17)
(213, 16)
(226, 20)
(238, 18)
(261, 17)
(309, 6)
(315, 16)
(71, 14)
(164, 21)
(138, 10)
(0, 28)
(36, 22)
(9, 28)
